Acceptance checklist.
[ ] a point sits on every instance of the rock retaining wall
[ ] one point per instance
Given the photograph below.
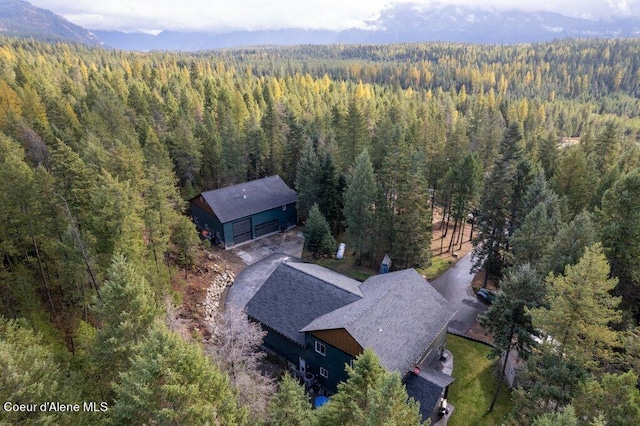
(211, 301)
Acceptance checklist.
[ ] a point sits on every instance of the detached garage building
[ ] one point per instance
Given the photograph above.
(246, 211)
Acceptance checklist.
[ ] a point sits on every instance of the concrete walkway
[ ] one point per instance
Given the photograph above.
(455, 286)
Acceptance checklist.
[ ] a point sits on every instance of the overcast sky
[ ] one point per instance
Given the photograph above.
(222, 15)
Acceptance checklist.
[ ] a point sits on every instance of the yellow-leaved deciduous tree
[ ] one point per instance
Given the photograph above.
(10, 105)
(581, 311)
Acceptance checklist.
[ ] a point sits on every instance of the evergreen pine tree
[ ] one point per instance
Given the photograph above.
(617, 396)
(579, 311)
(508, 320)
(290, 405)
(30, 374)
(619, 220)
(496, 206)
(370, 396)
(126, 310)
(317, 234)
(359, 199)
(162, 201)
(329, 196)
(307, 181)
(170, 381)
(412, 222)
(353, 136)
(569, 243)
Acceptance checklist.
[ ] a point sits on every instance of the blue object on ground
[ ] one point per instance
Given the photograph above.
(320, 401)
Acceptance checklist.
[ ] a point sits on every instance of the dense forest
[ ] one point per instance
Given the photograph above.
(99, 150)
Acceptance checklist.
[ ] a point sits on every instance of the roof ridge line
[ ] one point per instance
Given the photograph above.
(290, 265)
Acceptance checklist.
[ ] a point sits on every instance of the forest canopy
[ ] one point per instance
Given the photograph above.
(99, 149)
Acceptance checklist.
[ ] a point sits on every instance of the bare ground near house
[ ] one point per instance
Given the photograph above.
(191, 286)
(443, 233)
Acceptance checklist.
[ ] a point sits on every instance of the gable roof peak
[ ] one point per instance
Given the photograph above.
(248, 198)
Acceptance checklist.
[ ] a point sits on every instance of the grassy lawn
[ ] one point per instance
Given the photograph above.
(438, 267)
(347, 267)
(473, 389)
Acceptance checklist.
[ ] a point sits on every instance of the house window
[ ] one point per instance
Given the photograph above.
(321, 349)
(324, 373)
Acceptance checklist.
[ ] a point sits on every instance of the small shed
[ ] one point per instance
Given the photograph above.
(246, 211)
(385, 265)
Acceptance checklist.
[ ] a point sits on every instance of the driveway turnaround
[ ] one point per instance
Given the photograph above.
(455, 286)
(289, 242)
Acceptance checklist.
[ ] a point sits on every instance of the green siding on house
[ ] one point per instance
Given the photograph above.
(334, 362)
(283, 346)
(227, 234)
(285, 217)
(204, 220)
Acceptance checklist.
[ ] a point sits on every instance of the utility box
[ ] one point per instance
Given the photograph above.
(385, 264)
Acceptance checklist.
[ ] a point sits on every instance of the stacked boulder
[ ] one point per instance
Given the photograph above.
(214, 293)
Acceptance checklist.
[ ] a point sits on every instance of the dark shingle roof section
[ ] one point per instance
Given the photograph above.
(242, 200)
(329, 276)
(427, 393)
(293, 296)
(398, 317)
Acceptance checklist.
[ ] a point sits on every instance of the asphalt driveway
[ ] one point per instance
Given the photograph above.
(455, 286)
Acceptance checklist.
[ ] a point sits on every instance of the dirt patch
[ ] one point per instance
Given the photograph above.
(479, 333)
(478, 280)
(210, 265)
(443, 234)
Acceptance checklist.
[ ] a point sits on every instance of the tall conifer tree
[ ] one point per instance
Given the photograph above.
(359, 199)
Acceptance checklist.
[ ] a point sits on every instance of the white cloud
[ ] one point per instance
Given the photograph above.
(219, 15)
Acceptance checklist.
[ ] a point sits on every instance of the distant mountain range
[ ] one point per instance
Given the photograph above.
(400, 24)
(21, 19)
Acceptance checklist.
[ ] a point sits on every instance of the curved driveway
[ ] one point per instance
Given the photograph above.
(455, 286)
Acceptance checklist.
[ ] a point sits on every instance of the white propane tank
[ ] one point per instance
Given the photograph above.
(341, 249)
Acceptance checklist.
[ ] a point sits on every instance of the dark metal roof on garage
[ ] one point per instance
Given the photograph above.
(245, 199)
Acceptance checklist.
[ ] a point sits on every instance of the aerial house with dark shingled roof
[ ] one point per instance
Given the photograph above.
(242, 212)
(320, 320)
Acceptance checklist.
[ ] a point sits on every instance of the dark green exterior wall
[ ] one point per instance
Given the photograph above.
(228, 234)
(334, 362)
(205, 220)
(285, 218)
(283, 346)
